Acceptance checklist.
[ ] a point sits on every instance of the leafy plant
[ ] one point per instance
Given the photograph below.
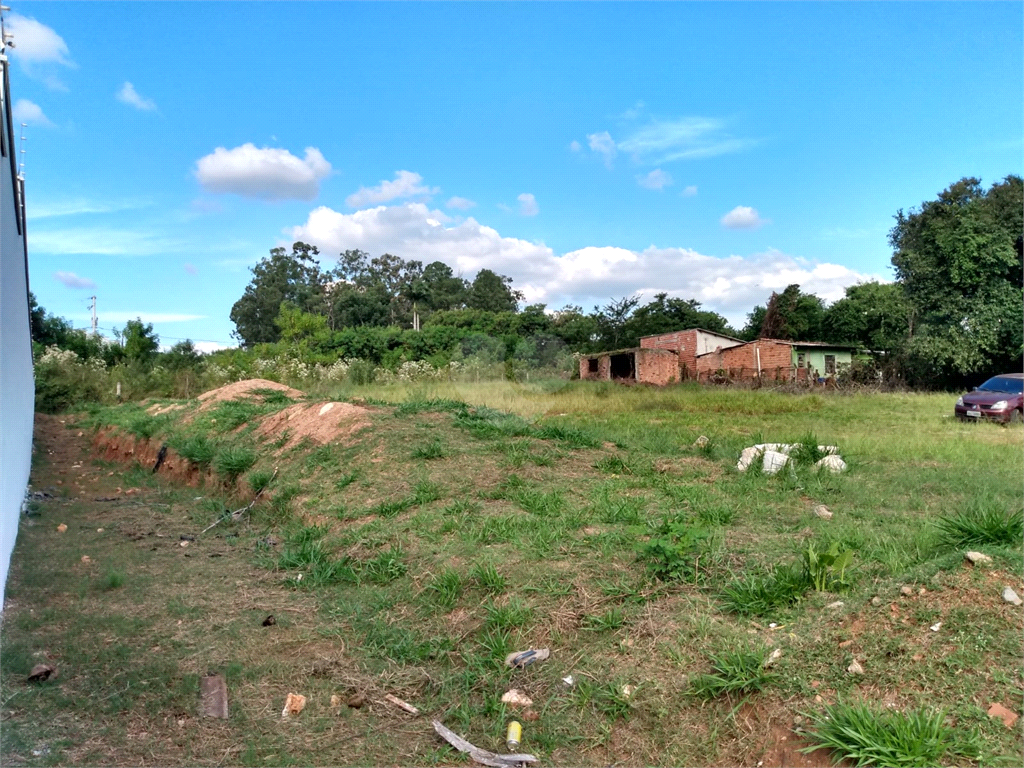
(759, 594)
(512, 614)
(674, 550)
(232, 460)
(385, 567)
(864, 736)
(198, 449)
(826, 571)
(432, 450)
(610, 620)
(736, 671)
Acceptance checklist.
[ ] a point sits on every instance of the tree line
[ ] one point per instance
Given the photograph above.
(952, 316)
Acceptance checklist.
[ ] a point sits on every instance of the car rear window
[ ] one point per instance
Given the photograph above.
(1003, 384)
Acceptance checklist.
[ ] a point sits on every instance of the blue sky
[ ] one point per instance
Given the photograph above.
(715, 151)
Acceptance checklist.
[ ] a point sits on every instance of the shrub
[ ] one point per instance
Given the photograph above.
(981, 523)
(759, 594)
(198, 449)
(737, 671)
(826, 571)
(674, 551)
(232, 460)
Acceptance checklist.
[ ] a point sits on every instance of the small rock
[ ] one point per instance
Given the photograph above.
(701, 441)
(269, 621)
(335, 701)
(836, 604)
(357, 701)
(936, 626)
(627, 691)
(294, 703)
(855, 668)
(1007, 716)
(818, 699)
(86, 559)
(99, 530)
(823, 512)
(922, 591)
(569, 681)
(846, 643)
(517, 698)
(41, 672)
(61, 528)
(876, 601)
(773, 461)
(832, 463)
(182, 544)
(772, 658)
(1011, 597)
(798, 721)
(977, 558)
(906, 590)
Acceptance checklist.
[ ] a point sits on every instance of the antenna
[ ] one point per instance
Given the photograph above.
(94, 321)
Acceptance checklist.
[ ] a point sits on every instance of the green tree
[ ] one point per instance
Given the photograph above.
(444, 290)
(959, 259)
(664, 315)
(181, 356)
(793, 315)
(139, 342)
(493, 292)
(294, 277)
(875, 316)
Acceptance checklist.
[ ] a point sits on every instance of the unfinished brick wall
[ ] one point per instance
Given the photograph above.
(741, 362)
(604, 368)
(656, 366)
(683, 343)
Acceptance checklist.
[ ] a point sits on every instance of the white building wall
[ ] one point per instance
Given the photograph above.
(17, 386)
(709, 342)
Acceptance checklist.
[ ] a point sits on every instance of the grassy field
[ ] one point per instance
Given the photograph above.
(469, 521)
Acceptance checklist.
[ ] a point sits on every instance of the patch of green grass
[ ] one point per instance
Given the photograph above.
(145, 426)
(716, 514)
(198, 449)
(514, 613)
(488, 577)
(983, 522)
(443, 405)
(346, 480)
(391, 508)
(735, 671)
(571, 436)
(231, 414)
(259, 479)
(272, 396)
(425, 492)
(867, 736)
(608, 621)
(609, 698)
(385, 567)
(613, 465)
(760, 594)
(806, 452)
(674, 550)
(113, 579)
(497, 643)
(233, 460)
(435, 449)
(446, 588)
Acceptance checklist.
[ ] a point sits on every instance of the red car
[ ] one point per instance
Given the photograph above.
(1001, 398)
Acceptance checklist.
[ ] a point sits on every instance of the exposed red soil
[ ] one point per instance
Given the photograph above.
(320, 423)
(243, 390)
(111, 444)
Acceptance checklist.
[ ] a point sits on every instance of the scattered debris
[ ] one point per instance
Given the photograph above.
(107, 498)
(183, 544)
(522, 659)
(1011, 597)
(481, 756)
(335, 701)
(356, 701)
(237, 514)
(773, 657)
(294, 704)
(922, 591)
(86, 559)
(977, 558)
(402, 704)
(531, 716)
(773, 461)
(846, 643)
(41, 673)
(514, 735)
(569, 681)
(855, 668)
(876, 601)
(701, 442)
(187, 537)
(99, 530)
(627, 691)
(269, 621)
(823, 512)
(835, 605)
(833, 463)
(936, 626)
(1008, 717)
(907, 591)
(517, 698)
(213, 691)
(61, 528)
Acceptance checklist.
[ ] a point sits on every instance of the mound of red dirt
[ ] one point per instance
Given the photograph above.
(244, 390)
(318, 422)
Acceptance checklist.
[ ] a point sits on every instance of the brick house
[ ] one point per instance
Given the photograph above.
(635, 365)
(688, 345)
(776, 359)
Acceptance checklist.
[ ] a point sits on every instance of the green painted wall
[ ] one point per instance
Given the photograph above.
(814, 357)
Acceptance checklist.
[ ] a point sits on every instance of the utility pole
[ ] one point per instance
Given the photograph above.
(95, 329)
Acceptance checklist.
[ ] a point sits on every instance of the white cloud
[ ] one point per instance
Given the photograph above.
(36, 42)
(656, 179)
(405, 184)
(528, 205)
(129, 95)
(690, 191)
(54, 208)
(71, 280)
(575, 146)
(742, 217)
(731, 285)
(26, 111)
(461, 203)
(99, 241)
(633, 112)
(604, 145)
(206, 347)
(683, 139)
(147, 317)
(267, 174)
